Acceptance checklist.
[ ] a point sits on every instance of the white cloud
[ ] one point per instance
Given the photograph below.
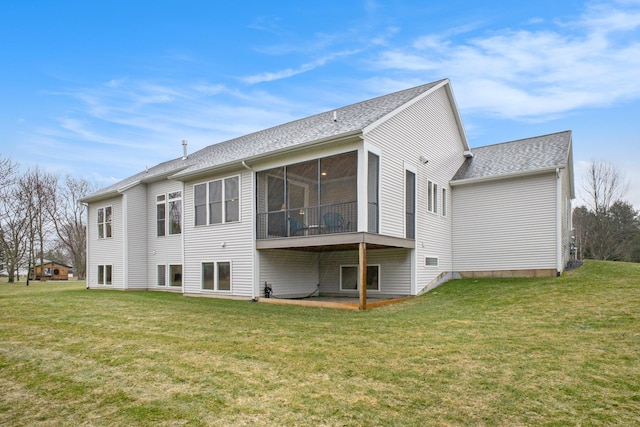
(290, 72)
(534, 74)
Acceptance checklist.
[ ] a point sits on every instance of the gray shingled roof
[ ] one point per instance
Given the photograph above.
(521, 156)
(350, 119)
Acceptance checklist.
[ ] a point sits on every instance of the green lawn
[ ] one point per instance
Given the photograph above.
(562, 351)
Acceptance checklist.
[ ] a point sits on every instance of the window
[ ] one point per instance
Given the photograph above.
(104, 274)
(231, 199)
(104, 222)
(160, 215)
(216, 276)
(200, 203)
(171, 203)
(444, 202)
(175, 275)
(175, 212)
(162, 275)
(349, 277)
(431, 261)
(217, 202)
(410, 205)
(432, 197)
(372, 191)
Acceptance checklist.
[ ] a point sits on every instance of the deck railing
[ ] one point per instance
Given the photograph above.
(307, 221)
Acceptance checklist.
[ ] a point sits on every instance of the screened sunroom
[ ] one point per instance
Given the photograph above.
(314, 197)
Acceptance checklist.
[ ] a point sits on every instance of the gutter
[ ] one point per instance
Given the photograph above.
(184, 175)
(559, 266)
(466, 181)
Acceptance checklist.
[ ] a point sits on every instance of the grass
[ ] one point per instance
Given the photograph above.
(562, 351)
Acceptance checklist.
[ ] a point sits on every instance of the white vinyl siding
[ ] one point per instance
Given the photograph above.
(161, 250)
(290, 273)
(506, 224)
(102, 251)
(395, 267)
(429, 129)
(135, 238)
(229, 241)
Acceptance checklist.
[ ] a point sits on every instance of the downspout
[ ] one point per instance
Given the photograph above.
(558, 222)
(86, 249)
(254, 258)
(125, 242)
(182, 235)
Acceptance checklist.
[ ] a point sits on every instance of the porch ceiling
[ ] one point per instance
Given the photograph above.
(336, 242)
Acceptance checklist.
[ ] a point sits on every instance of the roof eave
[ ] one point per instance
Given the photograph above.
(186, 175)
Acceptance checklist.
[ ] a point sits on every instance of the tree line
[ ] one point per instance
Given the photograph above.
(606, 227)
(41, 218)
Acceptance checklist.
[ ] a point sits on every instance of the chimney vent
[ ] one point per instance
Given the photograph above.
(184, 149)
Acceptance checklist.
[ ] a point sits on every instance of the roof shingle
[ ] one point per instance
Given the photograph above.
(521, 156)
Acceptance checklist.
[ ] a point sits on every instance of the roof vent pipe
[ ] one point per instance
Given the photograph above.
(184, 149)
(335, 116)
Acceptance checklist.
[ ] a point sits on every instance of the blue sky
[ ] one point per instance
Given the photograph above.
(101, 89)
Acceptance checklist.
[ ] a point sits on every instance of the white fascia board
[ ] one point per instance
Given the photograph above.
(456, 112)
(444, 83)
(504, 176)
(403, 107)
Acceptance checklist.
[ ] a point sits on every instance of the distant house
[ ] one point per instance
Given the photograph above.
(383, 197)
(52, 270)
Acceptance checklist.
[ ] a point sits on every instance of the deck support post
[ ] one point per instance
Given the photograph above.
(363, 275)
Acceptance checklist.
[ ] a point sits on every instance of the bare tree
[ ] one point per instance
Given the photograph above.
(40, 188)
(605, 185)
(68, 216)
(602, 226)
(10, 225)
(14, 224)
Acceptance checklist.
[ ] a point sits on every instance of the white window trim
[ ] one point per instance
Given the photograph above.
(414, 171)
(215, 277)
(358, 278)
(167, 212)
(170, 279)
(432, 196)
(207, 204)
(444, 197)
(103, 225)
(164, 221)
(164, 267)
(102, 280)
(432, 257)
(166, 201)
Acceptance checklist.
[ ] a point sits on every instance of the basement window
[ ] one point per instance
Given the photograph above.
(430, 261)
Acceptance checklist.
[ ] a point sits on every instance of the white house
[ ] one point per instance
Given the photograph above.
(385, 192)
